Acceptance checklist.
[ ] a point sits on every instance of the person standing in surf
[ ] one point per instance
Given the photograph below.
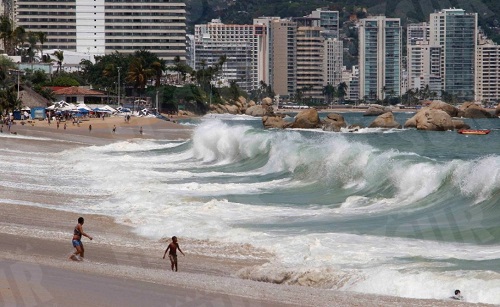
(77, 240)
(172, 255)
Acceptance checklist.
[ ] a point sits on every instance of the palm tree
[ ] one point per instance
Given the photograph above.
(32, 40)
(342, 90)
(7, 34)
(20, 38)
(158, 67)
(59, 54)
(42, 38)
(329, 92)
(138, 75)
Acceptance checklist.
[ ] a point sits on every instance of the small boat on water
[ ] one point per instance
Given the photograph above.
(474, 131)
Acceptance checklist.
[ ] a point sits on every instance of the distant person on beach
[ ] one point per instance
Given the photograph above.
(64, 126)
(90, 128)
(140, 130)
(172, 255)
(458, 296)
(114, 128)
(77, 240)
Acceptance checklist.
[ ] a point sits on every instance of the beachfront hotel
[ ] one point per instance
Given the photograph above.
(379, 57)
(98, 27)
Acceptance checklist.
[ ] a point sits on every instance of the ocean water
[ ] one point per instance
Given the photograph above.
(398, 212)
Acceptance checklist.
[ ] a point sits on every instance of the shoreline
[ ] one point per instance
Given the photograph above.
(36, 241)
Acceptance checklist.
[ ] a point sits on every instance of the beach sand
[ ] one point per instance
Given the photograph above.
(121, 268)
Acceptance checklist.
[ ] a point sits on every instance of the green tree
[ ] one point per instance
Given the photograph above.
(138, 75)
(42, 38)
(329, 92)
(7, 34)
(59, 54)
(64, 80)
(342, 91)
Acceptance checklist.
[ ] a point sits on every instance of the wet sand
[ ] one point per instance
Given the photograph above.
(121, 268)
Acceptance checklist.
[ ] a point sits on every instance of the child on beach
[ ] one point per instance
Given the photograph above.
(77, 240)
(172, 255)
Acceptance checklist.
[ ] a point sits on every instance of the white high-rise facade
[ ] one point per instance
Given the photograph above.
(379, 58)
(245, 49)
(424, 60)
(333, 61)
(98, 27)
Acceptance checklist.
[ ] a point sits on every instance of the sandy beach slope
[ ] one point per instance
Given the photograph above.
(120, 268)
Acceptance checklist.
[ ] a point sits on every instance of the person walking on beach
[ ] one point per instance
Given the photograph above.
(172, 255)
(77, 240)
(140, 130)
(90, 128)
(114, 128)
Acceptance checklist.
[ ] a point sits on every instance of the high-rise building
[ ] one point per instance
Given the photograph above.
(244, 48)
(333, 59)
(328, 20)
(379, 57)
(310, 59)
(487, 71)
(103, 27)
(424, 67)
(456, 32)
(283, 57)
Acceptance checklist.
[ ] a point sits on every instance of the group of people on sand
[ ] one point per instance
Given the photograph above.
(79, 254)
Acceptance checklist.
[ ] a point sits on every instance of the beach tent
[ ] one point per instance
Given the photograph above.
(82, 110)
(25, 109)
(81, 106)
(101, 110)
(109, 108)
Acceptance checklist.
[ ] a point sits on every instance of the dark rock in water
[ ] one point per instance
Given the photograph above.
(376, 110)
(274, 122)
(459, 124)
(385, 120)
(443, 106)
(431, 119)
(497, 110)
(307, 119)
(472, 110)
(333, 122)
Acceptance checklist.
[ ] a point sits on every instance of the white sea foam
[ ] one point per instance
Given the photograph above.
(185, 193)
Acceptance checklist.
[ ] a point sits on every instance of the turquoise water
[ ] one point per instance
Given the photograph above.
(398, 212)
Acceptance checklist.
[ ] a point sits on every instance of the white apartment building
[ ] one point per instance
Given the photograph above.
(379, 57)
(333, 61)
(351, 78)
(245, 48)
(487, 85)
(104, 26)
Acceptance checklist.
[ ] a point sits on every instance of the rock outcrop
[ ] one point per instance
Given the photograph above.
(497, 110)
(431, 119)
(275, 121)
(443, 106)
(307, 119)
(459, 124)
(376, 110)
(264, 109)
(472, 110)
(385, 120)
(333, 122)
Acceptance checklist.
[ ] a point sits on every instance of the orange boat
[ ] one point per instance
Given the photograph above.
(474, 131)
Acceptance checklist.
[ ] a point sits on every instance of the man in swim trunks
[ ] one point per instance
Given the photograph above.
(77, 240)
(172, 255)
